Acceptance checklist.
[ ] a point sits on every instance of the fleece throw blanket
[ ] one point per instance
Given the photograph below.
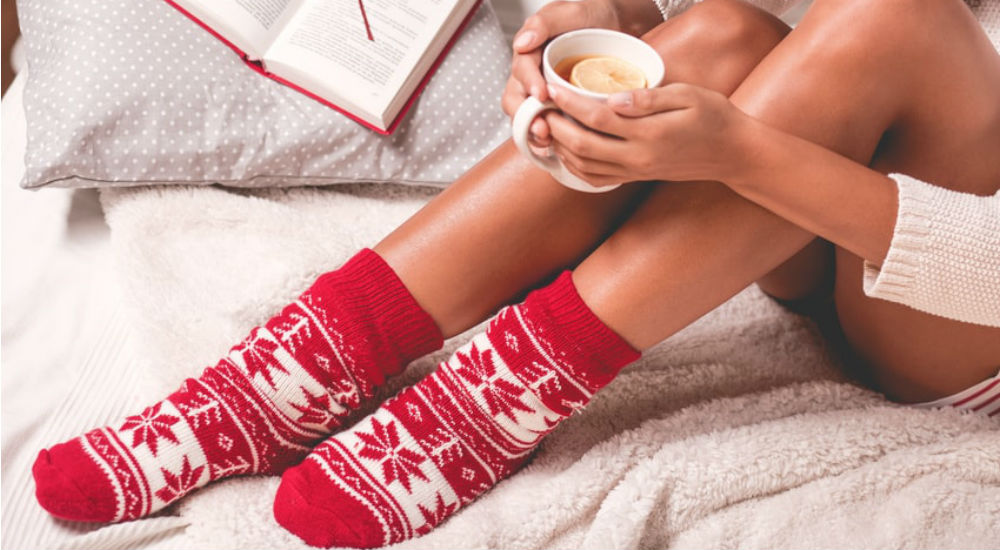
(740, 431)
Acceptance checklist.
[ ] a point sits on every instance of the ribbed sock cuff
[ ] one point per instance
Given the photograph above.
(371, 289)
(573, 326)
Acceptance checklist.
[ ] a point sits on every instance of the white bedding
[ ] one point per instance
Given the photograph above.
(67, 356)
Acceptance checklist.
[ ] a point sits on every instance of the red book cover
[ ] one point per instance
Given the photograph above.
(259, 67)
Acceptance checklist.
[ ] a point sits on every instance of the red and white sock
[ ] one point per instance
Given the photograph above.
(438, 445)
(259, 410)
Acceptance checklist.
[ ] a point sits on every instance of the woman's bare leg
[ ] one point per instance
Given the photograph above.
(687, 249)
(866, 82)
(502, 228)
(505, 226)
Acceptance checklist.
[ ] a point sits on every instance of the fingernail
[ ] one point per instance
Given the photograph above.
(621, 99)
(553, 93)
(524, 40)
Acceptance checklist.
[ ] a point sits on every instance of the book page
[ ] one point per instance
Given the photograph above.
(251, 25)
(328, 42)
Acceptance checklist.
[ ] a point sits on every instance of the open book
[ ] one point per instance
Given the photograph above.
(366, 58)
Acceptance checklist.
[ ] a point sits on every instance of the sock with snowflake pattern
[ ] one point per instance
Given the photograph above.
(439, 444)
(259, 410)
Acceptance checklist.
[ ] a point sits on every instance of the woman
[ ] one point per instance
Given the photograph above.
(775, 143)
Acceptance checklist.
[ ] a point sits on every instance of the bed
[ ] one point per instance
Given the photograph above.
(741, 431)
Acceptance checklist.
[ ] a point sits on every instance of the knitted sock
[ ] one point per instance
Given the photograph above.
(259, 410)
(438, 445)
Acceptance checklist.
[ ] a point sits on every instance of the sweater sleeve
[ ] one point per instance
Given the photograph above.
(944, 257)
(670, 8)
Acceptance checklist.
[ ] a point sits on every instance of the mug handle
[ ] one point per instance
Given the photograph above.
(530, 108)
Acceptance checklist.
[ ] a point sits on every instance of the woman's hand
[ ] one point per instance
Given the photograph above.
(678, 132)
(552, 20)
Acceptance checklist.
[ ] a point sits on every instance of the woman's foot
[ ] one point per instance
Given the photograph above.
(441, 443)
(259, 410)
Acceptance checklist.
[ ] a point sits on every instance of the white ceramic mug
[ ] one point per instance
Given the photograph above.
(583, 42)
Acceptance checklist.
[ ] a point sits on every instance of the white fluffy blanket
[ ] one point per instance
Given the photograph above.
(738, 432)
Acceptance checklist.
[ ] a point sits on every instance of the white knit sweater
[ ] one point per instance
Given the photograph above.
(944, 257)
(945, 254)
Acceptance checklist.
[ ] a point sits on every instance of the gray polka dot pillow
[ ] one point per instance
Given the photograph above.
(132, 92)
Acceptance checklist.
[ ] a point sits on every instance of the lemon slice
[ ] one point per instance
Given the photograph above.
(607, 75)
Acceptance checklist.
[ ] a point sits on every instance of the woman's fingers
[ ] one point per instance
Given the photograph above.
(551, 20)
(648, 101)
(527, 69)
(594, 179)
(590, 167)
(526, 79)
(592, 113)
(513, 96)
(540, 133)
(586, 143)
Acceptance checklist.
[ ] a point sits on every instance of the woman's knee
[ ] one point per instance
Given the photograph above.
(896, 41)
(854, 69)
(890, 56)
(716, 43)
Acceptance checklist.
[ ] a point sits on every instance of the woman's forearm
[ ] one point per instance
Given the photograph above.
(825, 193)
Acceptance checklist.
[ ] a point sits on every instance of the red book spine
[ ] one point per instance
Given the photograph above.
(258, 66)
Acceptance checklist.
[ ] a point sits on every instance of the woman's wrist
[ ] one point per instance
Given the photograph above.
(815, 188)
(754, 146)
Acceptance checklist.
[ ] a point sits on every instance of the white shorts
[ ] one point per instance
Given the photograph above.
(983, 398)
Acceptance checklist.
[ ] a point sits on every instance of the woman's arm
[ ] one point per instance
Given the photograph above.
(686, 133)
(825, 193)
(930, 248)
(939, 249)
